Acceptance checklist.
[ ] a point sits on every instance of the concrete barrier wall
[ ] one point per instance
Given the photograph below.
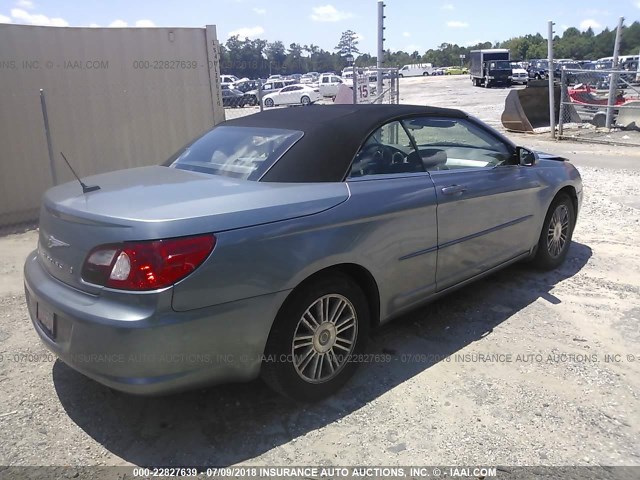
(115, 98)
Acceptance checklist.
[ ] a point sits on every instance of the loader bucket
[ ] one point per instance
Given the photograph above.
(344, 95)
(629, 118)
(525, 110)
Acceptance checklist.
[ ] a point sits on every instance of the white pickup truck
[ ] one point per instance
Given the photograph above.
(328, 84)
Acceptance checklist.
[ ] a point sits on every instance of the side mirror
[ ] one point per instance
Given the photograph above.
(526, 157)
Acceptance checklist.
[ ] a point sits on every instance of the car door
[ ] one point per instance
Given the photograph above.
(486, 200)
(394, 201)
(294, 94)
(282, 97)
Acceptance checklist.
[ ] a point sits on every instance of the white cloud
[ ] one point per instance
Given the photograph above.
(457, 24)
(589, 23)
(28, 4)
(94, 25)
(118, 24)
(638, 4)
(597, 12)
(145, 23)
(329, 13)
(260, 11)
(4, 19)
(247, 32)
(37, 19)
(447, 6)
(406, 34)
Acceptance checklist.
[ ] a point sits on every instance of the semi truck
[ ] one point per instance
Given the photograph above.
(490, 67)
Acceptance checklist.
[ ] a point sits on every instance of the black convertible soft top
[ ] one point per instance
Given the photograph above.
(333, 134)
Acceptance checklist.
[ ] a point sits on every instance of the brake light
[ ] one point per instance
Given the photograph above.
(146, 265)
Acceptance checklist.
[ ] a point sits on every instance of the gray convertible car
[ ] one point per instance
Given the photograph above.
(272, 244)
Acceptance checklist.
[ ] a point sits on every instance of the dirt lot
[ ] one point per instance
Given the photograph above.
(565, 390)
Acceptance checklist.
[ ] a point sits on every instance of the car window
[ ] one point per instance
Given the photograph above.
(388, 150)
(450, 143)
(286, 89)
(235, 152)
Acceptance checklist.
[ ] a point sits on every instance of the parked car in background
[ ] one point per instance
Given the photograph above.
(416, 70)
(246, 85)
(293, 95)
(228, 79)
(439, 71)
(308, 78)
(538, 69)
(328, 84)
(519, 75)
(267, 87)
(273, 244)
(571, 77)
(234, 98)
(456, 71)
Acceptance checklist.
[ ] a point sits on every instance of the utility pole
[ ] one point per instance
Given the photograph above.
(613, 77)
(552, 103)
(381, 39)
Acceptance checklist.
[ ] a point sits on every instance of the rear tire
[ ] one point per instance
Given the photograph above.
(269, 102)
(556, 234)
(315, 337)
(425, 74)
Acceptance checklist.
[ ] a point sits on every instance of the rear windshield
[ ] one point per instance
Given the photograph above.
(238, 152)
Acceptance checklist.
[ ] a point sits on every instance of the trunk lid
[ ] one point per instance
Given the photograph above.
(160, 202)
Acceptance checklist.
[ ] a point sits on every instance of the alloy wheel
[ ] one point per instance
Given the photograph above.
(324, 338)
(558, 231)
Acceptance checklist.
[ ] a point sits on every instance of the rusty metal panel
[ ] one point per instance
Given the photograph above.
(116, 98)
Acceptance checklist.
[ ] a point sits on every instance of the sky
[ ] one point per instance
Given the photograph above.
(410, 24)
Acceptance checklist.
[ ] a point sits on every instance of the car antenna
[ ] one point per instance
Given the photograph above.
(85, 188)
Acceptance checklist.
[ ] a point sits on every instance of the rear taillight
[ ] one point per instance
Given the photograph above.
(146, 265)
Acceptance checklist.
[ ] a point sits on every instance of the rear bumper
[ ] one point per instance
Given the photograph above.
(142, 346)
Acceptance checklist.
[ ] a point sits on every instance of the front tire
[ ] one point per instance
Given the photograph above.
(557, 231)
(314, 340)
(305, 100)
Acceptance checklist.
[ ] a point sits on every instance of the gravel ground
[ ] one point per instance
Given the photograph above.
(522, 368)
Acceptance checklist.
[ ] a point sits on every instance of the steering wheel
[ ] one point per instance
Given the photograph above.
(395, 155)
(378, 158)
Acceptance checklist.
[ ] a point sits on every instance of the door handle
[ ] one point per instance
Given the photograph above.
(453, 190)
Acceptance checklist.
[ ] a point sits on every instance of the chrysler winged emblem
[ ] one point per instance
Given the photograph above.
(53, 242)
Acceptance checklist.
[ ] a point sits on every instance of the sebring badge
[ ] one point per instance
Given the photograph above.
(53, 242)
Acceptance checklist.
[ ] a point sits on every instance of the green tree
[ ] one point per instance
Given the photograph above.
(348, 44)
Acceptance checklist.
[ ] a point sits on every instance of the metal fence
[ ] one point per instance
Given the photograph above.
(600, 106)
